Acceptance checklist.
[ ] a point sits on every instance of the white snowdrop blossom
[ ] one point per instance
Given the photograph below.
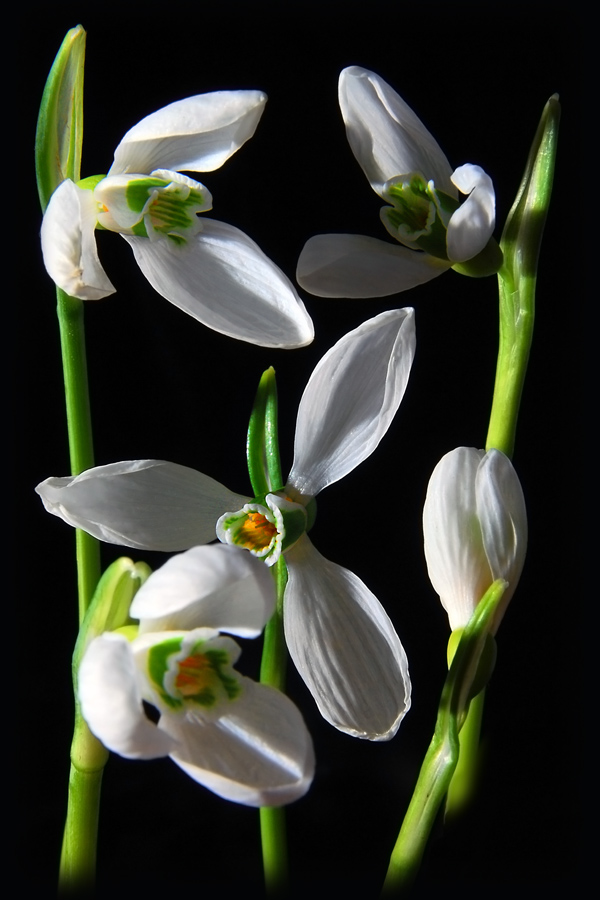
(245, 741)
(406, 168)
(210, 270)
(475, 529)
(338, 634)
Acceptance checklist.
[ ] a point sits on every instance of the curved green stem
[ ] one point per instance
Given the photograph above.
(520, 245)
(442, 756)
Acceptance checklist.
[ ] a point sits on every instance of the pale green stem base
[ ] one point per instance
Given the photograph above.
(78, 858)
(466, 775)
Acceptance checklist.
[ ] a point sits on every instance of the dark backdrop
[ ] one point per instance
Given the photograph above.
(163, 386)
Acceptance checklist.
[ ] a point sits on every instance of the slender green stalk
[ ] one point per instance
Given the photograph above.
(58, 147)
(78, 857)
(520, 245)
(517, 313)
(264, 467)
(464, 780)
(272, 818)
(442, 756)
(274, 656)
(79, 427)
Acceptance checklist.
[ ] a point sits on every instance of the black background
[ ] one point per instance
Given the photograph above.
(164, 386)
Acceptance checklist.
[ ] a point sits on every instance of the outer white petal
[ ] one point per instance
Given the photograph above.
(503, 519)
(223, 279)
(354, 265)
(454, 551)
(351, 399)
(111, 701)
(259, 754)
(146, 503)
(344, 646)
(197, 134)
(385, 135)
(69, 243)
(472, 225)
(215, 587)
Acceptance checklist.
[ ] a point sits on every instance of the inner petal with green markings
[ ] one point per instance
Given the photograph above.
(419, 214)
(194, 670)
(163, 204)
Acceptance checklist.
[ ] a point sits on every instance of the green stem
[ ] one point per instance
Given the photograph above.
(79, 428)
(58, 144)
(442, 756)
(517, 313)
(274, 850)
(88, 756)
(272, 672)
(78, 858)
(520, 245)
(464, 780)
(432, 785)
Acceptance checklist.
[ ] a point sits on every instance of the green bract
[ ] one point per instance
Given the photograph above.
(59, 132)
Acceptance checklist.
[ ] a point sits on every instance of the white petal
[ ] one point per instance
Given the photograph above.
(454, 552)
(472, 225)
(69, 243)
(503, 518)
(146, 503)
(351, 399)
(385, 135)
(356, 266)
(223, 279)
(260, 754)
(111, 701)
(214, 587)
(197, 134)
(344, 646)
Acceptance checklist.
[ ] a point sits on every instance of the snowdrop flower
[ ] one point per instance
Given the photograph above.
(210, 270)
(406, 168)
(338, 634)
(246, 742)
(475, 528)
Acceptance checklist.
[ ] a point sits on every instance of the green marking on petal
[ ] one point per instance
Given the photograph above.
(200, 674)
(419, 215)
(138, 191)
(201, 678)
(158, 659)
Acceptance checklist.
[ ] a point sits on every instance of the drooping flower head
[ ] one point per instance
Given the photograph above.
(406, 168)
(246, 742)
(475, 529)
(212, 271)
(339, 636)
